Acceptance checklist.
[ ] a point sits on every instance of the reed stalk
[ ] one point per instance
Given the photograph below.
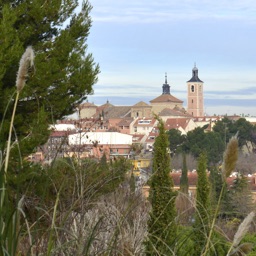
(9, 223)
(229, 161)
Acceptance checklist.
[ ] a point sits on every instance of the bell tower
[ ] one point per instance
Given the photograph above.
(195, 99)
(166, 86)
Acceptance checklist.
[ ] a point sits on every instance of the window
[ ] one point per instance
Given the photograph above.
(192, 88)
(192, 101)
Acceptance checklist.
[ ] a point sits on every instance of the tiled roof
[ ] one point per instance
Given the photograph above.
(59, 134)
(166, 98)
(125, 122)
(174, 123)
(104, 106)
(136, 138)
(151, 137)
(115, 112)
(87, 105)
(173, 112)
(141, 104)
(192, 180)
(195, 79)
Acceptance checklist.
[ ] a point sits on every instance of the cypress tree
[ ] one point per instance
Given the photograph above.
(201, 225)
(161, 224)
(183, 200)
(184, 176)
(64, 72)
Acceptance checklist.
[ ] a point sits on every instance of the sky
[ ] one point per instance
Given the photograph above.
(136, 42)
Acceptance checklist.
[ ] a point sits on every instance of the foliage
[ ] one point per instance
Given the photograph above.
(239, 198)
(183, 201)
(198, 141)
(227, 128)
(216, 184)
(161, 225)
(176, 140)
(177, 162)
(201, 225)
(214, 142)
(64, 72)
(184, 177)
(250, 238)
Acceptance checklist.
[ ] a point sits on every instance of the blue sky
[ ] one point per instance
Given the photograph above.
(135, 42)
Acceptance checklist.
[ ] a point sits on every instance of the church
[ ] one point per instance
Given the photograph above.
(165, 105)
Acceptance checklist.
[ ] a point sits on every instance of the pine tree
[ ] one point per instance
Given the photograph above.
(201, 225)
(64, 72)
(161, 225)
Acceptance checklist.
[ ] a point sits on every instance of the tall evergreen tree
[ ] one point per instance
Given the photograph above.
(64, 71)
(183, 201)
(161, 224)
(184, 176)
(216, 183)
(201, 225)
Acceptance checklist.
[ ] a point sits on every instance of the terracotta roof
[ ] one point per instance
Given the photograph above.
(141, 104)
(59, 134)
(192, 180)
(136, 138)
(151, 138)
(87, 105)
(115, 112)
(166, 98)
(173, 112)
(125, 122)
(174, 123)
(104, 106)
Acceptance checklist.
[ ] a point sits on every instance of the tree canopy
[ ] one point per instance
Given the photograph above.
(64, 72)
(213, 142)
(228, 128)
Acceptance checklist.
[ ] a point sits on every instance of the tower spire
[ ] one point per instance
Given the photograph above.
(166, 86)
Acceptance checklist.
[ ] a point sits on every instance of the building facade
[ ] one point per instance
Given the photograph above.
(195, 98)
(166, 100)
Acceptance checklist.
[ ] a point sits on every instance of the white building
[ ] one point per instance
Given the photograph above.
(102, 138)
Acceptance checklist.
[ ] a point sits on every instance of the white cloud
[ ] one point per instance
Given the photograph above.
(146, 11)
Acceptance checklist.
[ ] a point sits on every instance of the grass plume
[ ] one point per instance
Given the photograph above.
(243, 229)
(230, 157)
(26, 61)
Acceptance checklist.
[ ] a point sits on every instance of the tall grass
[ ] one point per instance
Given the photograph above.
(10, 219)
(90, 208)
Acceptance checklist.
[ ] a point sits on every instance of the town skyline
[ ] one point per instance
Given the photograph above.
(136, 43)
